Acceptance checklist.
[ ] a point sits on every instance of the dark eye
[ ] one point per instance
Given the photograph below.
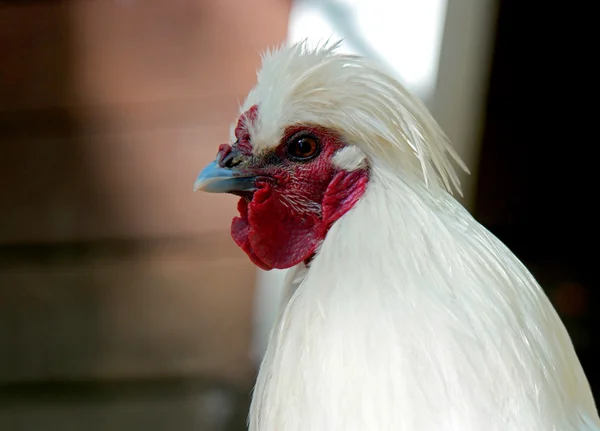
(303, 147)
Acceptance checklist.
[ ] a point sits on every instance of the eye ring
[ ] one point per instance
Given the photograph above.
(303, 147)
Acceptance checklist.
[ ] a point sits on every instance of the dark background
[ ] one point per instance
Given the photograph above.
(536, 189)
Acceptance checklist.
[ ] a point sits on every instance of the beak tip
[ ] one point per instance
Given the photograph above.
(197, 185)
(215, 179)
(211, 173)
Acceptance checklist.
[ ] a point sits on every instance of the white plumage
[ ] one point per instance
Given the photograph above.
(411, 315)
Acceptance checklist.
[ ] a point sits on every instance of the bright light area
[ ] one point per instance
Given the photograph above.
(404, 34)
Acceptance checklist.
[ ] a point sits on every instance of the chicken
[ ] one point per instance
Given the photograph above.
(401, 311)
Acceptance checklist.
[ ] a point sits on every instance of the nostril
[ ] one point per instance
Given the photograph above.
(231, 159)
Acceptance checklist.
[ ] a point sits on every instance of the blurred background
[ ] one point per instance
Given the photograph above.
(124, 304)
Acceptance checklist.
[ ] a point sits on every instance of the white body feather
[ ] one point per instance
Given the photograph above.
(412, 316)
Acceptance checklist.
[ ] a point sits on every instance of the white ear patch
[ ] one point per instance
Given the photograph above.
(350, 158)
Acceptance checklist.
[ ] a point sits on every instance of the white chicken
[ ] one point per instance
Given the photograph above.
(401, 312)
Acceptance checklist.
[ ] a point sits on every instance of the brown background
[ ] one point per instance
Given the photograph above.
(109, 266)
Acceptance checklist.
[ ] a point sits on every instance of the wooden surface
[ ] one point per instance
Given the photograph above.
(109, 265)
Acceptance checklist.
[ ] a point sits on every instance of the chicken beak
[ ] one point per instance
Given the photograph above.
(217, 179)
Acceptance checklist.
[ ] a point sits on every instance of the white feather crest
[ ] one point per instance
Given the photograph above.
(356, 97)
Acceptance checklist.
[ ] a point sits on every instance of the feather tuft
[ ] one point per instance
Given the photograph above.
(356, 97)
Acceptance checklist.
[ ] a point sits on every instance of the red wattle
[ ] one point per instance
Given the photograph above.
(240, 232)
(273, 235)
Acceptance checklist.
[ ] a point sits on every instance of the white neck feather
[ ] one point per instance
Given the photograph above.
(413, 317)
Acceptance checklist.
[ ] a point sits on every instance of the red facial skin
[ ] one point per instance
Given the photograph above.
(296, 202)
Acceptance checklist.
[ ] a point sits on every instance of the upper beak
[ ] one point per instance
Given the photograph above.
(217, 179)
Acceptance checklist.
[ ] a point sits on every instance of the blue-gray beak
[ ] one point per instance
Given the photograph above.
(217, 179)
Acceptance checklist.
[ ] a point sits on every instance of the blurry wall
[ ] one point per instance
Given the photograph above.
(109, 265)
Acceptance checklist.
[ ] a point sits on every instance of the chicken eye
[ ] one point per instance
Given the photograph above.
(303, 147)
